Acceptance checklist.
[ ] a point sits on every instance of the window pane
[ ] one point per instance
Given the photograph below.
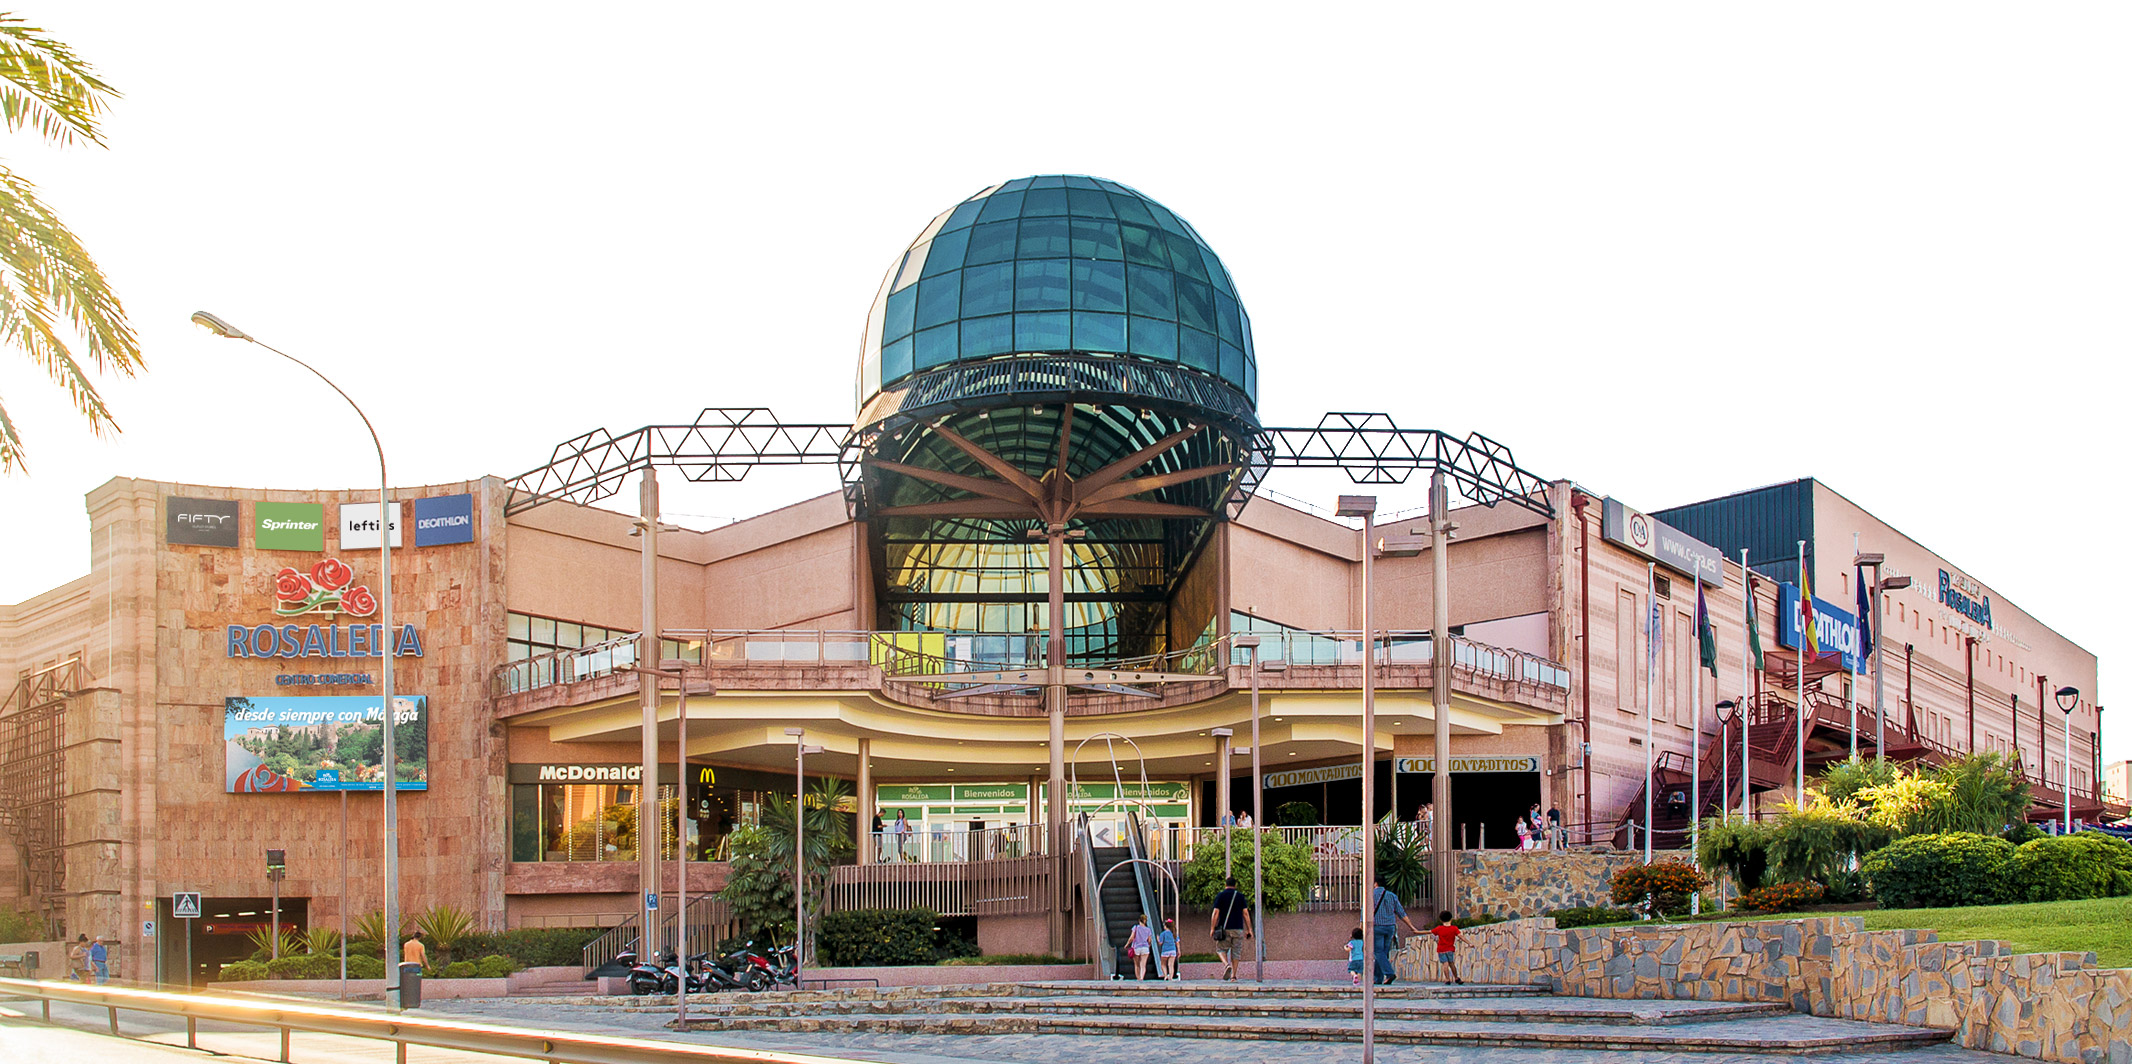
(1197, 350)
(569, 635)
(896, 360)
(1131, 209)
(1042, 202)
(936, 347)
(1195, 304)
(1184, 255)
(518, 625)
(1098, 332)
(965, 213)
(1219, 274)
(1077, 181)
(947, 252)
(901, 306)
(1040, 284)
(1154, 339)
(1232, 363)
(1148, 294)
(1002, 205)
(1096, 239)
(1144, 246)
(1098, 285)
(1042, 238)
(912, 260)
(1232, 324)
(991, 242)
(521, 651)
(987, 336)
(1251, 381)
(1015, 185)
(1165, 219)
(1088, 204)
(987, 289)
(1048, 181)
(544, 631)
(1046, 332)
(938, 300)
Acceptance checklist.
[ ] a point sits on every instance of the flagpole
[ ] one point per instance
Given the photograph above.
(1806, 620)
(1850, 686)
(1746, 678)
(1695, 742)
(1650, 662)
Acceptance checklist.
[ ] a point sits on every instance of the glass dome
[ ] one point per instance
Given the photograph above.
(1057, 265)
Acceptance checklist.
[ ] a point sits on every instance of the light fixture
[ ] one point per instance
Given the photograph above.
(217, 326)
(2068, 697)
(1894, 583)
(1870, 558)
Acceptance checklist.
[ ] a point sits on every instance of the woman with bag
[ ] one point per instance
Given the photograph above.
(78, 959)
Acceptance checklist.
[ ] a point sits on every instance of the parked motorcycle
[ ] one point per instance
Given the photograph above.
(779, 967)
(651, 978)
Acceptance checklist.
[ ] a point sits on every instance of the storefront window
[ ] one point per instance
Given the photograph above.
(588, 812)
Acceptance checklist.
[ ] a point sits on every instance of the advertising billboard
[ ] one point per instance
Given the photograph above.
(283, 744)
(200, 522)
(360, 525)
(289, 526)
(444, 519)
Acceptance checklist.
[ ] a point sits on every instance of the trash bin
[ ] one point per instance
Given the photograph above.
(29, 963)
(410, 985)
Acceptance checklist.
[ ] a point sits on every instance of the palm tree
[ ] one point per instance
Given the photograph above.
(49, 284)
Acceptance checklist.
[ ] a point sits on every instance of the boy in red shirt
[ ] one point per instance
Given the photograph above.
(1446, 938)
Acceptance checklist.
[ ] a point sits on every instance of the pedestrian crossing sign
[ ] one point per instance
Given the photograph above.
(185, 905)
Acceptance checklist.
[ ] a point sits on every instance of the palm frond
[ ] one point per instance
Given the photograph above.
(43, 84)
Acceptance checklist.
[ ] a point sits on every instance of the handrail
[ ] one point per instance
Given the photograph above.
(401, 1029)
(1085, 842)
(1150, 900)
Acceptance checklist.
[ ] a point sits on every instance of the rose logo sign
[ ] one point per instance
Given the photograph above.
(323, 590)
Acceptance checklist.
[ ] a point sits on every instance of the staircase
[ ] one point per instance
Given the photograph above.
(1772, 739)
(1115, 898)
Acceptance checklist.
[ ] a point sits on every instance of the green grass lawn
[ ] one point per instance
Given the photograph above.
(2103, 925)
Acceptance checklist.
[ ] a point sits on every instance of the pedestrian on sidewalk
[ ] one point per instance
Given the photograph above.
(1355, 946)
(1138, 945)
(1446, 934)
(1386, 914)
(100, 960)
(414, 952)
(1229, 924)
(1166, 948)
(78, 959)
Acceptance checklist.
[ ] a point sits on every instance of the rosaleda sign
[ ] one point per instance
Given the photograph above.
(328, 588)
(1966, 597)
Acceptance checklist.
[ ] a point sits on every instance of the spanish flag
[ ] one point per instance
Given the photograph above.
(1806, 615)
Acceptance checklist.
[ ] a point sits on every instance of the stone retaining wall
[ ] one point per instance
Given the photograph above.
(2051, 1006)
(1533, 882)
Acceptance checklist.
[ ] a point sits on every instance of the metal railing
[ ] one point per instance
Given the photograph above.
(704, 918)
(945, 845)
(1011, 886)
(400, 1029)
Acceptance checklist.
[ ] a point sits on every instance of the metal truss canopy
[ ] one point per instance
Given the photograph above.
(724, 443)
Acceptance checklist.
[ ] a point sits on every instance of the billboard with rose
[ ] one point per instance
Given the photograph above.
(322, 590)
(283, 744)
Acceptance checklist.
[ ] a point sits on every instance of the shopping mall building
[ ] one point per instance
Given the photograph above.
(1041, 583)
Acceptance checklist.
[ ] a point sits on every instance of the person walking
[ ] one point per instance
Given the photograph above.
(414, 952)
(1231, 915)
(78, 959)
(1139, 944)
(1557, 836)
(1446, 934)
(879, 841)
(1166, 949)
(1355, 946)
(1524, 835)
(1535, 821)
(902, 832)
(100, 961)
(1386, 913)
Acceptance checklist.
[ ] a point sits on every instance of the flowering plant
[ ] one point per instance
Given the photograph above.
(323, 590)
(1782, 897)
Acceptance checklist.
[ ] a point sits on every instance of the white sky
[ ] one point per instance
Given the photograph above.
(1667, 250)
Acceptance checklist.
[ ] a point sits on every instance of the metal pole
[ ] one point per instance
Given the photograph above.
(648, 701)
(1695, 742)
(344, 895)
(1806, 615)
(680, 847)
(1746, 667)
(1055, 705)
(1369, 788)
(1650, 663)
(1443, 876)
(2065, 773)
(275, 918)
(1880, 670)
(1850, 702)
(1258, 827)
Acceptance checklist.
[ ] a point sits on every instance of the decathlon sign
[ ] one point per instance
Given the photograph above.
(444, 519)
(1836, 630)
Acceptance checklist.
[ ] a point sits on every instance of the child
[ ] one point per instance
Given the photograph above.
(1138, 944)
(1166, 949)
(1446, 937)
(1355, 946)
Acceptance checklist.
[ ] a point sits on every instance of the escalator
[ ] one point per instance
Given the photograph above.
(1115, 899)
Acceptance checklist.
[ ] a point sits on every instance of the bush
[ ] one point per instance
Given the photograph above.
(1821, 840)
(2071, 868)
(242, 972)
(1668, 883)
(1587, 915)
(1781, 897)
(1290, 871)
(533, 947)
(1296, 815)
(456, 970)
(876, 937)
(306, 966)
(1940, 870)
(1476, 920)
(363, 967)
(1740, 847)
(2021, 833)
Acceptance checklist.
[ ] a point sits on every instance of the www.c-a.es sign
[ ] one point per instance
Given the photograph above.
(329, 588)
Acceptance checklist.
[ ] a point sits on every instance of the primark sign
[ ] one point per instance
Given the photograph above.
(1661, 542)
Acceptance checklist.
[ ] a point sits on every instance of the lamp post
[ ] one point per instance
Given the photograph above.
(2068, 699)
(1221, 790)
(1724, 731)
(391, 810)
(1258, 821)
(1881, 585)
(799, 847)
(1365, 507)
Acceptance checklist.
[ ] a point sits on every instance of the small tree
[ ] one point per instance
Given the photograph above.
(1290, 871)
(758, 890)
(1296, 815)
(445, 926)
(1740, 847)
(1668, 885)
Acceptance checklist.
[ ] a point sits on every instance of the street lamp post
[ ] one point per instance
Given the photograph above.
(391, 810)
(1221, 790)
(1881, 585)
(1258, 821)
(799, 848)
(2068, 699)
(1365, 507)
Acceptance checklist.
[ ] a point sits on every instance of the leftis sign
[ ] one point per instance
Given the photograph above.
(331, 743)
(200, 522)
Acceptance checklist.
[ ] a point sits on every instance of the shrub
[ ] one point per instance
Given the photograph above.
(306, 966)
(1587, 915)
(2021, 833)
(1668, 883)
(1296, 815)
(456, 970)
(1781, 897)
(1476, 920)
(758, 888)
(242, 972)
(1740, 847)
(2071, 867)
(1290, 871)
(1821, 840)
(1940, 870)
(876, 937)
(533, 947)
(363, 967)
(445, 926)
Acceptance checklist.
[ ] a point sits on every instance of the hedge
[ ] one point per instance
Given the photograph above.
(1588, 915)
(2072, 867)
(1934, 871)
(531, 947)
(867, 938)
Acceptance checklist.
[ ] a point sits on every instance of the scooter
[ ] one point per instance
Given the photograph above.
(781, 970)
(645, 979)
(736, 971)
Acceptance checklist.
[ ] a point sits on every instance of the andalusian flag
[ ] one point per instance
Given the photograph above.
(1754, 627)
(1704, 634)
(1807, 629)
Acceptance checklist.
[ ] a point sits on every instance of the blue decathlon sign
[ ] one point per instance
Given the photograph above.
(444, 519)
(1835, 629)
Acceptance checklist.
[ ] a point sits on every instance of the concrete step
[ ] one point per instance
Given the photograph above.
(1525, 1009)
(1778, 1035)
(1241, 989)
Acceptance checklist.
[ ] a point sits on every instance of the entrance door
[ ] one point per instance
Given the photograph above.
(228, 931)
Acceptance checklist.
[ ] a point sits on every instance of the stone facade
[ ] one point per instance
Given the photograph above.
(1536, 882)
(2054, 1006)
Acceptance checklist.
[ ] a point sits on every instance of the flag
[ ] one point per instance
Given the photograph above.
(1704, 634)
(1809, 633)
(1865, 617)
(1754, 628)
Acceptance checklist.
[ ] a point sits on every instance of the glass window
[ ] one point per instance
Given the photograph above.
(987, 336)
(896, 360)
(1184, 255)
(939, 299)
(1154, 339)
(1165, 219)
(1015, 185)
(1042, 238)
(1144, 246)
(901, 306)
(1098, 285)
(1148, 294)
(543, 632)
(911, 264)
(1078, 181)
(1088, 204)
(1043, 202)
(987, 289)
(569, 635)
(1195, 304)
(947, 252)
(1251, 387)
(1197, 350)
(1219, 274)
(936, 347)
(1232, 324)
(1098, 332)
(1004, 204)
(1232, 363)
(991, 242)
(1095, 239)
(965, 214)
(1130, 209)
(520, 626)
(1048, 181)
(1044, 332)
(1041, 284)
